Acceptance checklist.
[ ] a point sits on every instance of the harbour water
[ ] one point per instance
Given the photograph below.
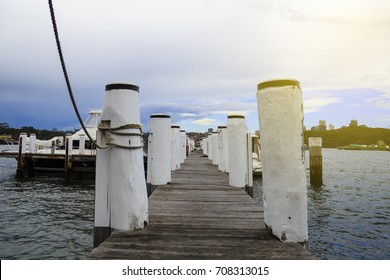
(349, 218)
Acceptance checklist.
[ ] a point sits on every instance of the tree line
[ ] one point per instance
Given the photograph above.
(345, 136)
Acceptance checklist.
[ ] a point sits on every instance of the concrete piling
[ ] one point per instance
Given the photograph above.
(223, 149)
(175, 147)
(183, 148)
(159, 150)
(33, 142)
(215, 147)
(82, 144)
(237, 151)
(284, 177)
(121, 195)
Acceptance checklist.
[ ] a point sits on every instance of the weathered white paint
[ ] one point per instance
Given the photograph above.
(82, 144)
(205, 146)
(121, 195)
(249, 160)
(69, 143)
(33, 143)
(237, 151)
(223, 149)
(183, 138)
(284, 176)
(315, 142)
(159, 150)
(23, 143)
(175, 147)
(210, 146)
(215, 147)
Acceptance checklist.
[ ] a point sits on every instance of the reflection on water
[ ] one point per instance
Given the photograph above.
(52, 218)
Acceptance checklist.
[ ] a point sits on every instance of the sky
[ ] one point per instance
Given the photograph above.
(197, 60)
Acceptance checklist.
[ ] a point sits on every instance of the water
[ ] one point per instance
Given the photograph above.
(44, 218)
(349, 218)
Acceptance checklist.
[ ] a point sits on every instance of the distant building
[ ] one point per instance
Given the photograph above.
(331, 126)
(314, 128)
(322, 125)
(210, 130)
(353, 123)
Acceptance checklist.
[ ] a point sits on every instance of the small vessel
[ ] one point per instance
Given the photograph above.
(57, 154)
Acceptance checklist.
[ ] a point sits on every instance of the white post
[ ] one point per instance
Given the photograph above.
(22, 143)
(175, 138)
(223, 149)
(214, 139)
(121, 195)
(182, 146)
(82, 144)
(250, 160)
(206, 146)
(284, 175)
(210, 146)
(159, 150)
(237, 143)
(33, 142)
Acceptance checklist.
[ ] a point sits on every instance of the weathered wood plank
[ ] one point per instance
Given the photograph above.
(199, 216)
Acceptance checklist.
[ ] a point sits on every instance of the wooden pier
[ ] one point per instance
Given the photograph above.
(199, 216)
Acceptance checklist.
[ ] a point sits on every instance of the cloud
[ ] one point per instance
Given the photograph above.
(206, 121)
(382, 100)
(315, 102)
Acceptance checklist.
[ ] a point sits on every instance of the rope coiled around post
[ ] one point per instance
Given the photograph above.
(114, 130)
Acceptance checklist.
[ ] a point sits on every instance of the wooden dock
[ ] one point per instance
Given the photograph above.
(199, 216)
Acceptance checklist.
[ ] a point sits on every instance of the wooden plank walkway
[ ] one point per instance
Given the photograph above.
(199, 216)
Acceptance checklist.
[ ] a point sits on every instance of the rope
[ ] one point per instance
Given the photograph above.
(125, 147)
(108, 129)
(59, 49)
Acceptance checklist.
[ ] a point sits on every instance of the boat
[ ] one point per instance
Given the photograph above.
(53, 156)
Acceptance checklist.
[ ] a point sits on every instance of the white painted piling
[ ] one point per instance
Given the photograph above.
(82, 144)
(159, 150)
(121, 195)
(206, 146)
(175, 147)
(284, 176)
(183, 138)
(210, 146)
(23, 143)
(237, 151)
(250, 160)
(215, 147)
(33, 143)
(223, 149)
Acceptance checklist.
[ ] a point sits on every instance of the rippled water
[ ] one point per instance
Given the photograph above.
(349, 218)
(44, 218)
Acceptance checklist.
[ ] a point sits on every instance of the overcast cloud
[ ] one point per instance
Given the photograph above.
(196, 60)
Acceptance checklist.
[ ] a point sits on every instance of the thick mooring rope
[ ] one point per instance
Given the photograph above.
(53, 20)
(108, 129)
